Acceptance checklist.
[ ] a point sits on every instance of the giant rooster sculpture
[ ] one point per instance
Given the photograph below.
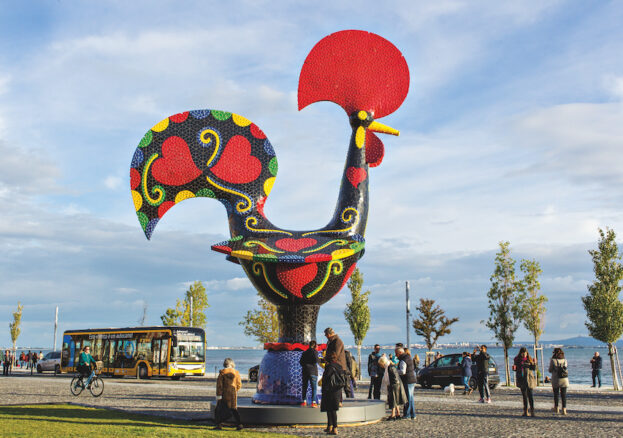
(220, 155)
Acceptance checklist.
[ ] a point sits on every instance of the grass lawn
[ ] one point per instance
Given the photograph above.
(77, 421)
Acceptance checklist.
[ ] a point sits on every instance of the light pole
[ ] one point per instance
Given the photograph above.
(408, 311)
(55, 326)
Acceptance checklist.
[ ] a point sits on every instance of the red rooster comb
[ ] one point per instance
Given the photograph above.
(358, 70)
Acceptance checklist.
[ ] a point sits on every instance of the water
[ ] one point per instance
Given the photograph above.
(577, 357)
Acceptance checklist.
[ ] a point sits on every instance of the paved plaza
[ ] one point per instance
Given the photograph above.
(591, 413)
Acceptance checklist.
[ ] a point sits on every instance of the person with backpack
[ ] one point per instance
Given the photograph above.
(560, 379)
(406, 371)
(333, 381)
(525, 377)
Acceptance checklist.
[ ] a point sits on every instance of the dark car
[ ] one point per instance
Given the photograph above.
(447, 369)
(253, 372)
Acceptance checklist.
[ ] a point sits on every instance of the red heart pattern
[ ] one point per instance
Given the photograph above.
(237, 165)
(295, 245)
(176, 166)
(356, 175)
(295, 277)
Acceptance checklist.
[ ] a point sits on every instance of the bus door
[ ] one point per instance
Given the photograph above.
(159, 352)
(106, 355)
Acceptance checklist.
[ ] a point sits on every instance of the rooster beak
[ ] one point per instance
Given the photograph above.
(379, 127)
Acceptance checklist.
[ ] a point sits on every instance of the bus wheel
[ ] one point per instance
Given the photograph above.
(57, 369)
(141, 373)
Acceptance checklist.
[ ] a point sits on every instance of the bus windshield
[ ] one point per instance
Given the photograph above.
(188, 351)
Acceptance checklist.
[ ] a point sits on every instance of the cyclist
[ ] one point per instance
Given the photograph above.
(85, 361)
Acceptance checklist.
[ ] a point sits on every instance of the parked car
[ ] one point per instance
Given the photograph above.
(447, 369)
(253, 373)
(50, 362)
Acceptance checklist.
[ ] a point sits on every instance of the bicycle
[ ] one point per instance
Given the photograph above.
(94, 384)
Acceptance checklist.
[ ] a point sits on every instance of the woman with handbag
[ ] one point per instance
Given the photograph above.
(333, 381)
(228, 384)
(396, 395)
(525, 378)
(560, 378)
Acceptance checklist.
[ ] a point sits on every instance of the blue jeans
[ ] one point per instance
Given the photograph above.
(597, 375)
(483, 386)
(466, 382)
(410, 411)
(313, 381)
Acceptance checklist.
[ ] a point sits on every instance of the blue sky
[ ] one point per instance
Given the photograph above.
(511, 131)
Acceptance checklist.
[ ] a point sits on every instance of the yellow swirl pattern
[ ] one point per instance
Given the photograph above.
(257, 267)
(339, 242)
(252, 220)
(239, 206)
(336, 266)
(156, 189)
(254, 243)
(207, 141)
(352, 216)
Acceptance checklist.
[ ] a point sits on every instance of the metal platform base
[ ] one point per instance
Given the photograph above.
(352, 411)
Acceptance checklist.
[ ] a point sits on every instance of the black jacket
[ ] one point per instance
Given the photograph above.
(482, 363)
(330, 399)
(409, 375)
(309, 362)
(596, 363)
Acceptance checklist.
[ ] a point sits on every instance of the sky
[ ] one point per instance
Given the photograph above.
(511, 131)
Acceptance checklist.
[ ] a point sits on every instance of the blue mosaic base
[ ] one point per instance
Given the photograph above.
(280, 379)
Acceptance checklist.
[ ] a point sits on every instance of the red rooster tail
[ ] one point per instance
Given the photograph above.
(358, 70)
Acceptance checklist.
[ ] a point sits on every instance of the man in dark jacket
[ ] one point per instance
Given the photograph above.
(466, 372)
(375, 372)
(482, 368)
(336, 346)
(309, 364)
(407, 375)
(596, 366)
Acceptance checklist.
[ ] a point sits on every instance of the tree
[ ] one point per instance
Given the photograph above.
(189, 312)
(534, 304)
(357, 312)
(432, 322)
(262, 323)
(15, 325)
(505, 302)
(603, 308)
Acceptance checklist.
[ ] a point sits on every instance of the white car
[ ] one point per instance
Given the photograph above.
(50, 362)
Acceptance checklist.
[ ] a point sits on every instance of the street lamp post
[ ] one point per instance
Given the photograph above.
(408, 311)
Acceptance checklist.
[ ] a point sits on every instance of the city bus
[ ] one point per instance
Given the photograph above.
(139, 351)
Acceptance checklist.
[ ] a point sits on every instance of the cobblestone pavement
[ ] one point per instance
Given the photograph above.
(591, 413)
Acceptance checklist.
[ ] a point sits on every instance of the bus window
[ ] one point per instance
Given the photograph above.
(96, 350)
(143, 349)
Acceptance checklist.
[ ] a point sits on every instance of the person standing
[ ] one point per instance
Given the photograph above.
(29, 358)
(34, 357)
(332, 381)
(466, 372)
(407, 376)
(560, 379)
(395, 392)
(335, 345)
(309, 364)
(5, 362)
(375, 372)
(524, 367)
(228, 384)
(482, 368)
(596, 366)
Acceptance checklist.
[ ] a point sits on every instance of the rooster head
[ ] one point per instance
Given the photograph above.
(363, 73)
